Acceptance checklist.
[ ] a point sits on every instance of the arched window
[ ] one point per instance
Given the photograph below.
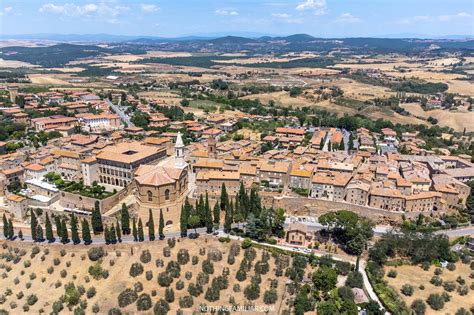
(149, 195)
(167, 194)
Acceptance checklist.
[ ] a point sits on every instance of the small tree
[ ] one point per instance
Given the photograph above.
(141, 237)
(64, 232)
(435, 301)
(39, 233)
(97, 225)
(86, 232)
(125, 219)
(161, 226)
(193, 222)
(49, 229)
(151, 226)
(74, 230)
(5, 226)
(118, 230)
(134, 230)
(33, 224)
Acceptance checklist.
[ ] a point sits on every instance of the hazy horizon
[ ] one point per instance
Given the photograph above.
(319, 18)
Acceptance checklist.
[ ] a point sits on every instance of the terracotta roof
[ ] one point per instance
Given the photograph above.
(15, 198)
(154, 175)
(127, 152)
(35, 167)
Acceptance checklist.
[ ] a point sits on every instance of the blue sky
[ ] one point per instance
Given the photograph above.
(325, 18)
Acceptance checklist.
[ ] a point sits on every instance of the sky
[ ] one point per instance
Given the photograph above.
(174, 18)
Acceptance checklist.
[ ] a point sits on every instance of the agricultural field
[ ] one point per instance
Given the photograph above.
(423, 284)
(134, 277)
(458, 120)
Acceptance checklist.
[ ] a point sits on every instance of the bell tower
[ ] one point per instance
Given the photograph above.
(179, 152)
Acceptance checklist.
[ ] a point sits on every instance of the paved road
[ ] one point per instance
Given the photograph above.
(124, 117)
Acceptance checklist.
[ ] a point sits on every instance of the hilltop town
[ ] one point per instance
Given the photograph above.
(331, 172)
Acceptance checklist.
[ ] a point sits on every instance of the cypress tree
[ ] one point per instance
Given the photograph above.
(39, 233)
(341, 145)
(228, 219)
(224, 198)
(33, 224)
(20, 235)
(113, 236)
(57, 221)
(151, 226)
(329, 146)
(321, 144)
(125, 218)
(49, 229)
(97, 225)
(208, 216)
(107, 235)
(74, 230)
(64, 232)
(161, 226)
(183, 220)
(351, 142)
(118, 232)
(141, 237)
(5, 227)
(86, 232)
(134, 230)
(201, 211)
(216, 214)
(10, 229)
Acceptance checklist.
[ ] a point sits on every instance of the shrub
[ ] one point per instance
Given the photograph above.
(96, 271)
(164, 279)
(241, 275)
(392, 274)
(270, 296)
(418, 307)
(138, 287)
(173, 269)
(214, 255)
(252, 291)
(261, 267)
(230, 259)
(114, 311)
(136, 269)
(27, 263)
(161, 307)
(435, 301)
(246, 243)
(149, 275)
(449, 286)
(212, 294)
(144, 302)
(32, 299)
(354, 280)
(188, 275)
(407, 290)
(63, 273)
(195, 289)
(250, 254)
(208, 267)
(95, 253)
(462, 311)
(202, 251)
(436, 281)
(20, 295)
(56, 261)
(90, 292)
(183, 256)
(159, 263)
(186, 301)
(195, 260)
(145, 256)
(451, 266)
(463, 290)
(202, 278)
(220, 283)
(169, 295)
(172, 242)
(95, 308)
(460, 280)
(166, 252)
(236, 288)
(127, 297)
(179, 285)
(438, 271)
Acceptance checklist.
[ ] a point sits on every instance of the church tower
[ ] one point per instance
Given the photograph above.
(179, 152)
(211, 147)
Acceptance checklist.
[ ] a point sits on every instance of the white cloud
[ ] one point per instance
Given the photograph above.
(461, 16)
(348, 18)
(318, 7)
(7, 9)
(103, 9)
(288, 18)
(149, 7)
(454, 17)
(226, 12)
